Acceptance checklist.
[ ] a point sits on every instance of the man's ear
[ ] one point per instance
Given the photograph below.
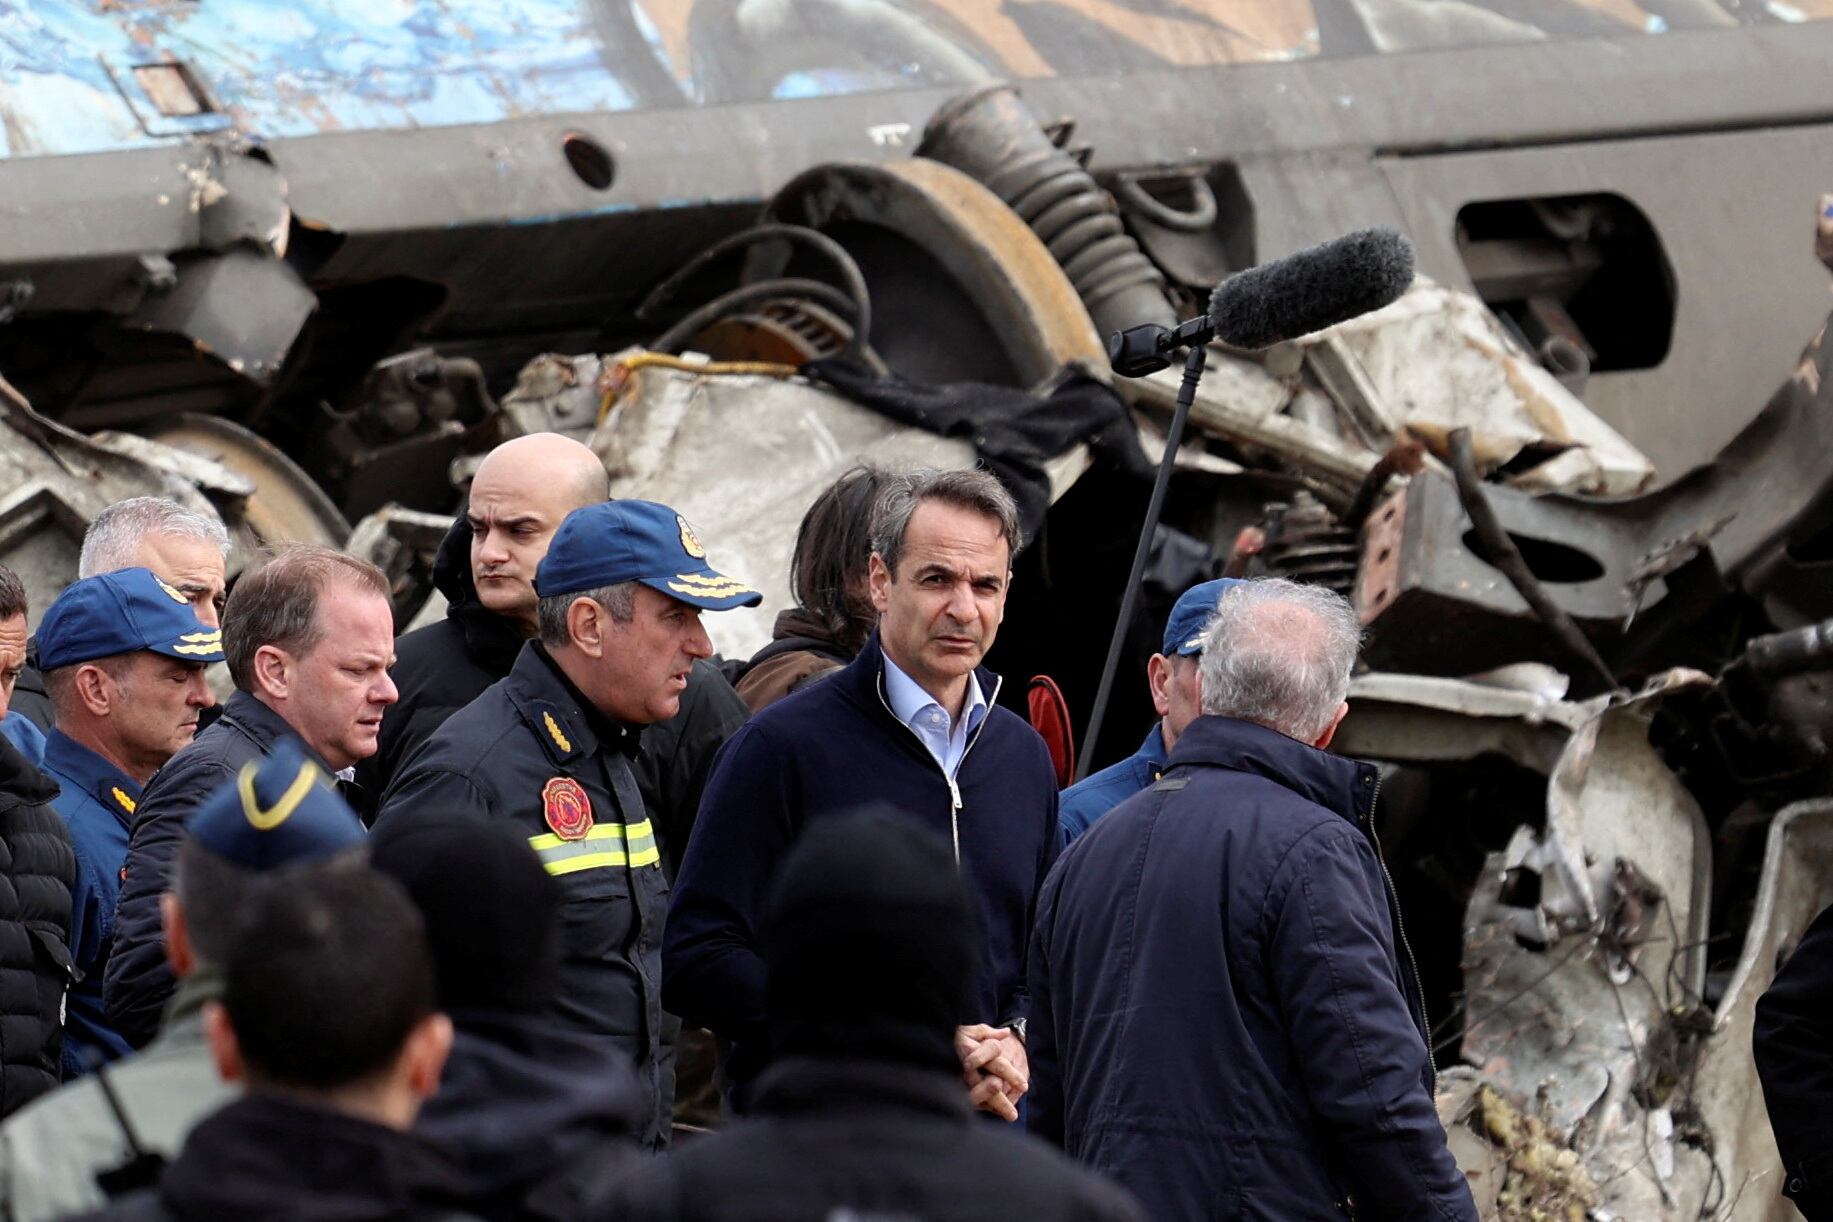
(878, 583)
(586, 625)
(1158, 678)
(273, 671)
(225, 1049)
(425, 1053)
(1330, 731)
(91, 685)
(178, 952)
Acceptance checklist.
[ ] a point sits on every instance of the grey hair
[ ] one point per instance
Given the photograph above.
(1280, 654)
(903, 491)
(619, 601)
(112, 540)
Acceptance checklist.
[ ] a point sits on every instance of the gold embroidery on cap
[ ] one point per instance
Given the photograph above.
(690, 542)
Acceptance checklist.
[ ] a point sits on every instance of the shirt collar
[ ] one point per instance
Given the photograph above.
(908, 699)
(85, 765)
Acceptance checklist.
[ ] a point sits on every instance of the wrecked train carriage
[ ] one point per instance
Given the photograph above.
(239, 209)
(198, 235)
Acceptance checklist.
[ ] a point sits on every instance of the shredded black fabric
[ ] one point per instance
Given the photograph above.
(1014, 432)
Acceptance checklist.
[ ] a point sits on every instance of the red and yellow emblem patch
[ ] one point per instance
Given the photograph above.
(568, 809)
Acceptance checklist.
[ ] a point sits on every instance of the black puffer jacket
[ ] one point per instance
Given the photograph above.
(37, 871)
(442, 667)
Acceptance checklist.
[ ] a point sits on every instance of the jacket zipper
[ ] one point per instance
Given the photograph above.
(1400, 929)
(954, 790)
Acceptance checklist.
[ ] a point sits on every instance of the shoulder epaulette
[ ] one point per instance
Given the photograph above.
(110, 794)
(554, 731)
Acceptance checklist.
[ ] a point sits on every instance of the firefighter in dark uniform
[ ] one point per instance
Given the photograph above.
(550, 748)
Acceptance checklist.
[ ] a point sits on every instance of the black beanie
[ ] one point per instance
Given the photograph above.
(492, 913)
(869, 942)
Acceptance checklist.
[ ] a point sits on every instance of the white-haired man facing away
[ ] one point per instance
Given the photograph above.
(1222, 1016)
(187, 550)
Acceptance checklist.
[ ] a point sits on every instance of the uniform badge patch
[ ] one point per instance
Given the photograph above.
(568, 809)
(690, 542)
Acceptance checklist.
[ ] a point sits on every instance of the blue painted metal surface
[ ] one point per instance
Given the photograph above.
(274, 69)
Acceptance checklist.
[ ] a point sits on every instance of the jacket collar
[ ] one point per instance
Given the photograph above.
(862, 680)
(823, 1086)
(567, 724)
(115, 790)
(1343, 786)
(183, 1023)
(264, 727)
(1152, 754)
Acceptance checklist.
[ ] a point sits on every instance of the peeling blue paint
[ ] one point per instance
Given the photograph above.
(302, 67)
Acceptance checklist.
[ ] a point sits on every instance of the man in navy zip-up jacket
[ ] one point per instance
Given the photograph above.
(913, 725)
(1225, 1015)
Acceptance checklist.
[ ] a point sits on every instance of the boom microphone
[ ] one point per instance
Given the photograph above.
(1313, 289)
(1262, 306)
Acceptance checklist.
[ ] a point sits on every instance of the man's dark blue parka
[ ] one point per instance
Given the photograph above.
(138, 981)
(832, 748)
(1221, 1019)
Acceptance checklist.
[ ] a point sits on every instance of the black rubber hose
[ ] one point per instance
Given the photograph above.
(675, 338)
(1201, 217)
(859, 308)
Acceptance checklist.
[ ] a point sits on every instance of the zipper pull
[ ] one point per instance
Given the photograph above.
(954, 817)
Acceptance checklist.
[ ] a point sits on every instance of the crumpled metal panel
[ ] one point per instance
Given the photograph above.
(1795, 884)
(1583, 1010)
(1431, 362)
(1437, 360)
(53, 482)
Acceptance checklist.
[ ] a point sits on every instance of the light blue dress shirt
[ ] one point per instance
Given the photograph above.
(946, 739)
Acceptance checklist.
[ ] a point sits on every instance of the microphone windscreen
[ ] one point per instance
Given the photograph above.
(1313, 289)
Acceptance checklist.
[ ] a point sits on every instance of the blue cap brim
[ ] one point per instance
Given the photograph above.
(707, 589)
(1191, 647)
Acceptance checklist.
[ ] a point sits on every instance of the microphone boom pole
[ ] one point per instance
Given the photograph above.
(1297, 295)
(1194, 362)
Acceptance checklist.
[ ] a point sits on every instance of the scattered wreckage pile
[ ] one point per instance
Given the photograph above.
(1600, 706)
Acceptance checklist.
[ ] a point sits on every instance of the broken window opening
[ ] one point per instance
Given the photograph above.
(1582, 270)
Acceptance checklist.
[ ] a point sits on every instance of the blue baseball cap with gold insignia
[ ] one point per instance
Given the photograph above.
(618, 541)
(1190, 615)
(278, 811)
(123, 612)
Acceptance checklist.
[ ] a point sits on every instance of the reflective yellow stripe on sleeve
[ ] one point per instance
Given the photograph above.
(605, 845)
